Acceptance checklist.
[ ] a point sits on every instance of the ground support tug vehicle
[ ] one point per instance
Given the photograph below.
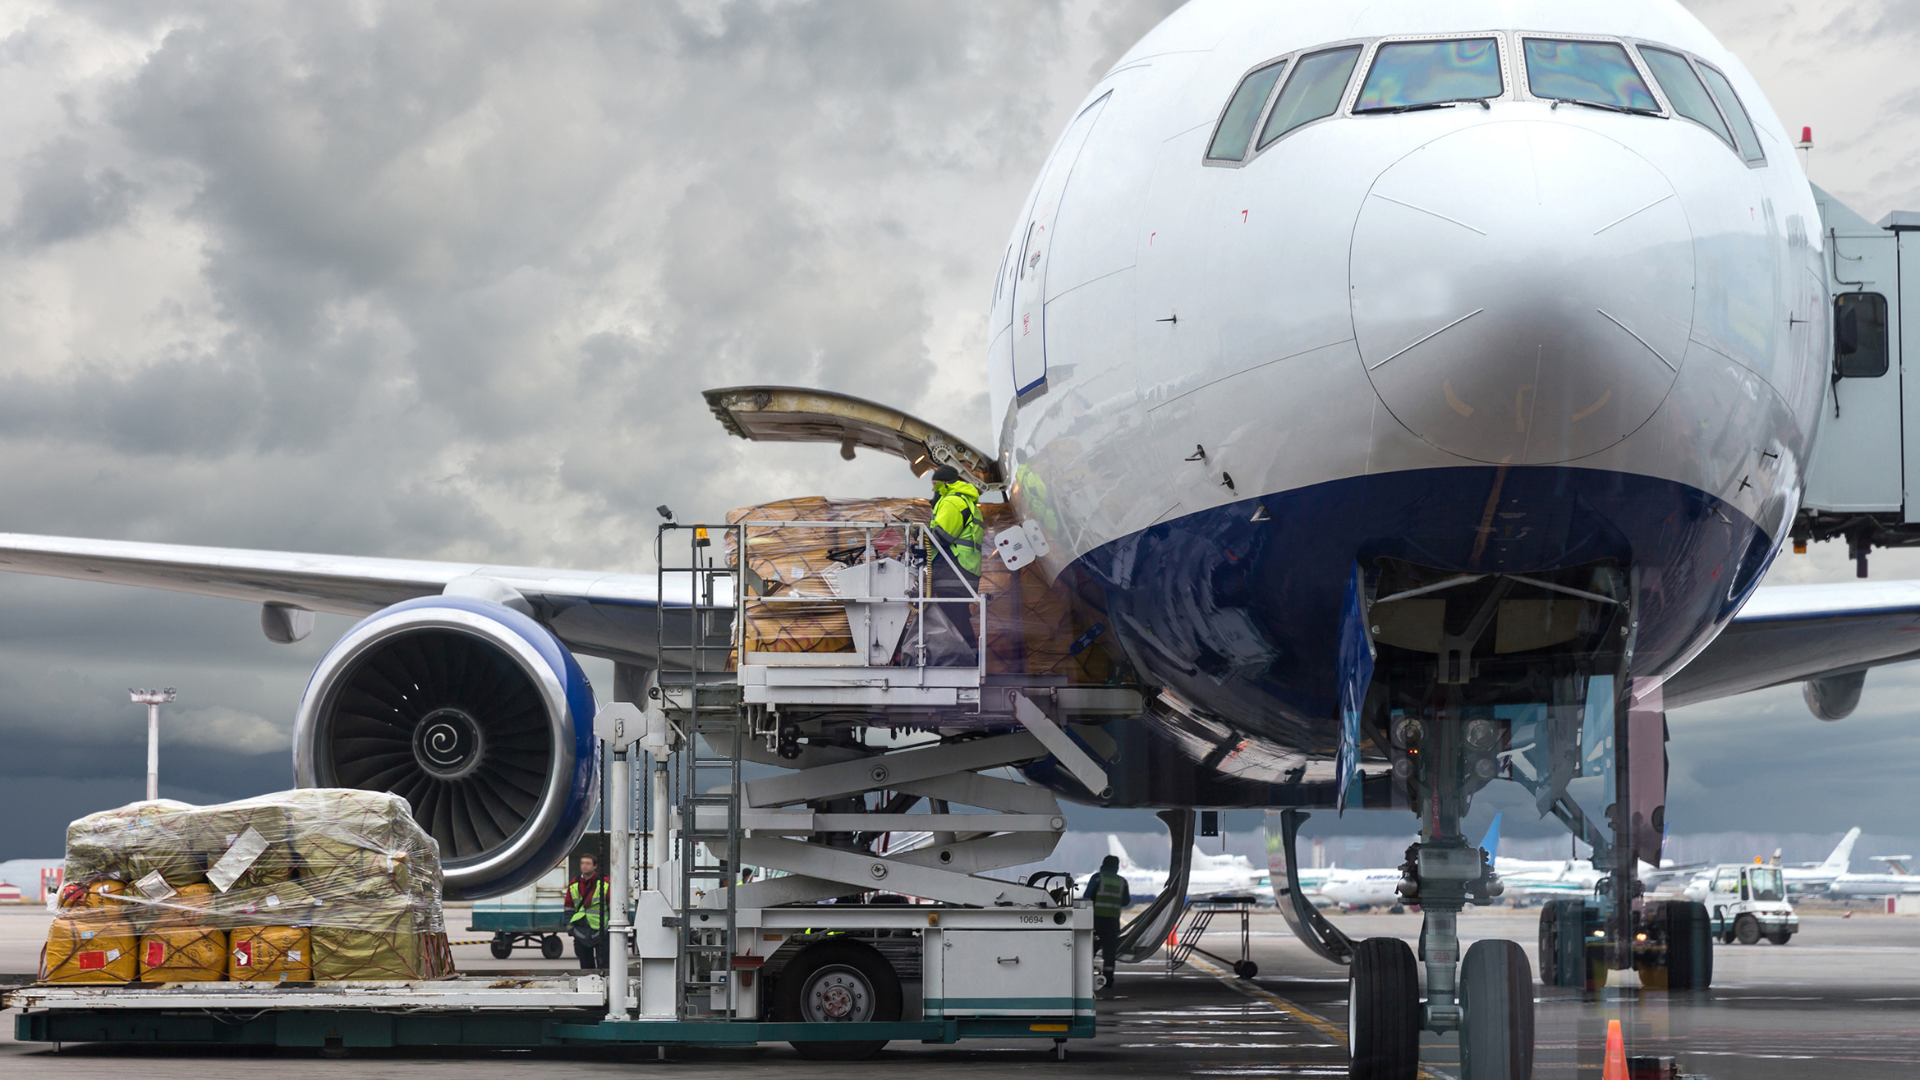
(1746, 903)
(917, 945)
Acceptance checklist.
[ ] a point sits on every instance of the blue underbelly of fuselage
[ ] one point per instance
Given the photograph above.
(1237, 609)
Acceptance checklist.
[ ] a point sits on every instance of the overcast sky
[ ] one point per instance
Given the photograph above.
(444, 281)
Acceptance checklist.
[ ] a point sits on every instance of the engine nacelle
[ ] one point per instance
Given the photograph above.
(475, 714)
(1836, 696)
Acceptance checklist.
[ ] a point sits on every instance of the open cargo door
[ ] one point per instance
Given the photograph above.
(788, 414)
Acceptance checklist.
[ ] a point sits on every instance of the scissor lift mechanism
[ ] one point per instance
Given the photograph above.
(716, 709)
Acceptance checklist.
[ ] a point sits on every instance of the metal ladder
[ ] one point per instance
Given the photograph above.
(696, 641)
(1187, 941)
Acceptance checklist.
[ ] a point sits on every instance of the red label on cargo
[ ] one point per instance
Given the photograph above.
(91, 961)
(156, 953)
(243, 954)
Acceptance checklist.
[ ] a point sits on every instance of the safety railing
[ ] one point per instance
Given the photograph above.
(891, 570)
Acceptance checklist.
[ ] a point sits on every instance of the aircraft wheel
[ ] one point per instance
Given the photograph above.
(1496, 1033)
(1563, 945)
(551, 947)
(1780, 937)
(837, 982)
(1383, 1012)
(1247, 969)
(1689, 946)
(1746, 930)
(501, 946)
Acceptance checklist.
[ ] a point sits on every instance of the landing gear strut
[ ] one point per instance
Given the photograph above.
(1468, 677)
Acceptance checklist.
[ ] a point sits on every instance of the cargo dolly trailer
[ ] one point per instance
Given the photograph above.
(771, 908)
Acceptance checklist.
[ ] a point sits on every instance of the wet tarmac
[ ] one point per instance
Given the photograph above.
(1842, 1000)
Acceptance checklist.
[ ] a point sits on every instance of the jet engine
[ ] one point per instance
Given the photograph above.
(475, 714)
(1834, 697)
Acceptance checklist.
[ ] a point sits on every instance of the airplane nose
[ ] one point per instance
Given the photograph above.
(1522, 292)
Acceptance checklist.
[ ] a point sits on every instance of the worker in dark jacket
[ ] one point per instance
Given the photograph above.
(586, 900)
(1110, 896)
(960, 534)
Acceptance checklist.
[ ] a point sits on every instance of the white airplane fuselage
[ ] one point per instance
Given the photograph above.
(1506, 336)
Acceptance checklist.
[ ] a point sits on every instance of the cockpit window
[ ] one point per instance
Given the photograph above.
(1684, 91)
(1421, 74)
(1236, 125)
(1735, 113)
(1319, 81)
(1589, 72)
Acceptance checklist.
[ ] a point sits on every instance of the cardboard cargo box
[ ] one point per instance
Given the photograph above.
(90, 947)
(1032, 626)
(270, 954)
(363, 842)
(189, 905)
(383, 940)
(133, 841)
(290, 903)
(183, 954)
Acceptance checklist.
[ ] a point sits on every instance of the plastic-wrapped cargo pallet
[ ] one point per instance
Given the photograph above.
(312, 884)
(1031, 626)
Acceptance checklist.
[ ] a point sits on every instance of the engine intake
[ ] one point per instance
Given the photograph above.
(475, 714)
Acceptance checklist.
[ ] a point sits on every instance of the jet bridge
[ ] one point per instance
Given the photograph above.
(1867, 455)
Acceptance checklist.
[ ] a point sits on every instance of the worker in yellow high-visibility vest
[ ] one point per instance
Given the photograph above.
(1110, 896)
(586, 899)
(961, 535)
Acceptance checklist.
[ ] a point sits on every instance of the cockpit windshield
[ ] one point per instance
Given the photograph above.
(1236, 124)
(1685, 91)
(1588, 72)
(1765, 882)
(1318, 84)
(1735, 113)
(1420, 74)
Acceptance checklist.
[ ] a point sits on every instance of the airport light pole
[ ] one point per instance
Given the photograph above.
(153, 699)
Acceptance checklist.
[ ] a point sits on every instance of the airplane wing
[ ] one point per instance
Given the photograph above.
(601, 614)
(1793, 633)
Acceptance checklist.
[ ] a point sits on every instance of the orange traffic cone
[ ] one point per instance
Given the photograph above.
(1173, 939)
(1616, 1066)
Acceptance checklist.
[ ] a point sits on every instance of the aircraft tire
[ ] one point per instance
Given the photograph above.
(1689, 945)
(1383, 1012)
(1746, 930)
(1563, 944)
(1496, 1031)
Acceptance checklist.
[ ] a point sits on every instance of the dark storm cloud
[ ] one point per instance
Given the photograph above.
(446, 281)
(60, 200)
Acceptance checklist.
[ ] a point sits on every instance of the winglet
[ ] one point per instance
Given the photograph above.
(1491, 841)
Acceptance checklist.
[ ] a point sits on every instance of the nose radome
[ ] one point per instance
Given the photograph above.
(1522, 292)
